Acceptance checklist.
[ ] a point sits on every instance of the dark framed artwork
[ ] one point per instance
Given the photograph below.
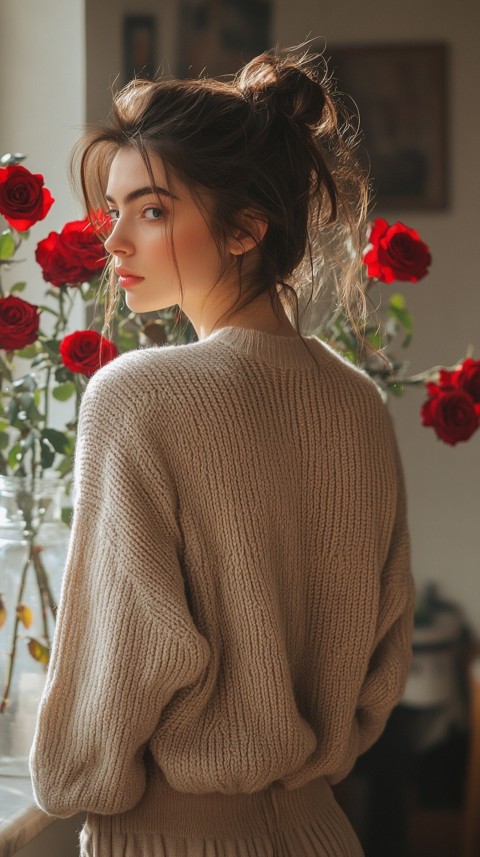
(401, 95)
(219, 36)
(139, 46)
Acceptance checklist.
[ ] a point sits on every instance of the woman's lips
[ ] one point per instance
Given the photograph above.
(126, 281)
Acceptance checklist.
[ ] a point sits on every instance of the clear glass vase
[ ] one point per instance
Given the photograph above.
(33, 547)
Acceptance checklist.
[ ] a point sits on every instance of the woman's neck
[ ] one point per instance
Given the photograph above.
(258, 315)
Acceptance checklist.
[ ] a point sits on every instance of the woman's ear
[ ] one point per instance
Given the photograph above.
(251, 228)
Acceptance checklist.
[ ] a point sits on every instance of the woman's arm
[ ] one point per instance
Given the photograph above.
(125, 641)
(391, 650)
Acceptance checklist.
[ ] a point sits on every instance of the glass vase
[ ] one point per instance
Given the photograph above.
(33, 547)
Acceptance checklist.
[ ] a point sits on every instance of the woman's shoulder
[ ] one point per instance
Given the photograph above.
(139, 371)
(131, 390)
(346, 378)
(357, 404)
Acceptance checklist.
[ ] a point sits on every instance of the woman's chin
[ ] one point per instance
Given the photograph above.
(141, 305)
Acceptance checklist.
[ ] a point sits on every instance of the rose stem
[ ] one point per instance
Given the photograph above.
(44, 594)
(43, 582)
(23, 579)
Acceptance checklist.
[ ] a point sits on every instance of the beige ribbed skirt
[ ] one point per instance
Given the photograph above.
(305, 822)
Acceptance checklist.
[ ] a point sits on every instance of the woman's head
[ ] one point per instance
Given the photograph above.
(262, 158)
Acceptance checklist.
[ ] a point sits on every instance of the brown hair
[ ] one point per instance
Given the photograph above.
(271, 140)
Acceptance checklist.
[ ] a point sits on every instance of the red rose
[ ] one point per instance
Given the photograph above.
(451, 412)
(85, 351)
(73, 256)
(23, 199)
(396, 253)
(467, 378)
(19, 323)
(445, 378)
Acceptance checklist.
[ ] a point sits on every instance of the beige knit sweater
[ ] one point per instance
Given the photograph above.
(237, 596)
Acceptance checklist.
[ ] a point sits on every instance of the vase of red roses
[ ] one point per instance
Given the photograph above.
(45, 365)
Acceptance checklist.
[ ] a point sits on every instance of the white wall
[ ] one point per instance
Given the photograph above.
(42, 93)
(443, 482)
(42, 105)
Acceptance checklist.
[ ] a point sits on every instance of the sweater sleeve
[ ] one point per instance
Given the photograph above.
(125, 641)
(391, 650)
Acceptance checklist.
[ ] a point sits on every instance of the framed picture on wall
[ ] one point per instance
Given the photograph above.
(139, 46)
(219, 36)
(401, 95)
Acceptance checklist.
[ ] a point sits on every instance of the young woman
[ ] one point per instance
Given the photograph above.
(235, 618)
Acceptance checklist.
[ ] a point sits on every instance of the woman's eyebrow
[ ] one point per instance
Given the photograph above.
(143, 191)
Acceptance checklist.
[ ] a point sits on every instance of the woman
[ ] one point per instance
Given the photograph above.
(235, 618)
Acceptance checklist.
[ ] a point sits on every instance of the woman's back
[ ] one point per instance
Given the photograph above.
(264, 563)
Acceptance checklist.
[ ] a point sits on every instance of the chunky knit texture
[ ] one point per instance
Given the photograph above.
(237, 598)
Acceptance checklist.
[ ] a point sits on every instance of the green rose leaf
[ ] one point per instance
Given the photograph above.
(47, 453)
(33, 413)
(52, 346)
(25, 401)
(374, 337)
(343, 336)
(66, 464)
(38, 651)
(15, 455)
(13, 410)
(5, 370)
(27, 353)
(62, 374)
(4, 440)
(67, 515)
(7, 245)
(59, 440)
(18, 287)
(398, 311)
(64, 391)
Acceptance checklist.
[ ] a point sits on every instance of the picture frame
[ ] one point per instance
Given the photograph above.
(219, 36)
(400, 92)
(139, 47)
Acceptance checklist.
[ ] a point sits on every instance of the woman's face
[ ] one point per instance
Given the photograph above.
(157, 236)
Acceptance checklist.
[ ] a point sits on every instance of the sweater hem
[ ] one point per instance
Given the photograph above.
(165, 810)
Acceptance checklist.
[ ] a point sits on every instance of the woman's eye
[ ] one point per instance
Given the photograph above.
(153, 213)
(112, 213)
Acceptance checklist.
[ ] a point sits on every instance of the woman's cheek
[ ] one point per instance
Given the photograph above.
(197, 255)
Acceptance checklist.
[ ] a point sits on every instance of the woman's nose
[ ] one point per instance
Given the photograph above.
(118, 243)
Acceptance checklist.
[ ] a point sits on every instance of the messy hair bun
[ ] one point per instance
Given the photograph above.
(282, 85)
